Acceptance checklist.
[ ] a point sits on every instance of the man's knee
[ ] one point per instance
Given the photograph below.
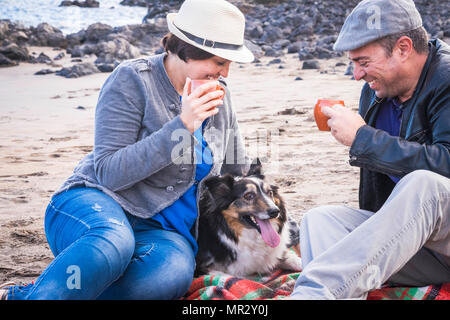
(317, 218)
(427, 179)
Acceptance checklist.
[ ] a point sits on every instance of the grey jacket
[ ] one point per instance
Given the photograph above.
(143, 154)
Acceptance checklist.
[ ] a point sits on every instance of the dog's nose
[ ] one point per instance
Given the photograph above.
(273, 213)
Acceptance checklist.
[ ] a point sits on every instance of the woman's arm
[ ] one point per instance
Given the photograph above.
(121, 160)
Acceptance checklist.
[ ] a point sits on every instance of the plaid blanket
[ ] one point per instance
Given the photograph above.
(280, 284)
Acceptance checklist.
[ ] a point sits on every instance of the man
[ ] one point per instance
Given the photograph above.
(401, 141)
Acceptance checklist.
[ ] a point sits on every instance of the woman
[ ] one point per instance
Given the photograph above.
(123, 226)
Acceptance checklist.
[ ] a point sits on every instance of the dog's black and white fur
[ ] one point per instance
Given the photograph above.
(244, 227)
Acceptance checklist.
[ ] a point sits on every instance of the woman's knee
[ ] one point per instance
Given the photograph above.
(115, 240)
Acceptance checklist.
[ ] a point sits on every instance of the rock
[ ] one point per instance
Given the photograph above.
(257, 32)
(4, 29)
(119, 49)
(47, 36)
(271, 34)
(326, 40)
(44, 71)
(275, 61)
(106, 67)
(19, 37)
(6, 62)
(311, 64)
(156, 11)
(59, 56)
(97, 32)
(77, 38)
(14, 52)
(42, 58)
(291, 111)
(78, 70)
(85, 4)
(254, 48)
(273, 53)
(306, 30)
(305, 54)
(349, 71)
(323, 53)
(81, 50)
(295, 47)
(280, 44)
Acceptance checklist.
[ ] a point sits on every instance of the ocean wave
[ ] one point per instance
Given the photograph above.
(69, 19)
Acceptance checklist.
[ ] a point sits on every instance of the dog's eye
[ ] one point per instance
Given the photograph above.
(249, 196)
(270, 193)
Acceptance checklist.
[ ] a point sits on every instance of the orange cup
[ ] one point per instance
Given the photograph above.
(197, 83)
(321, 119)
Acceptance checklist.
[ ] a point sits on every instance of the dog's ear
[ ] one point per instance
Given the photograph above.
(256, 169)
(220, 185)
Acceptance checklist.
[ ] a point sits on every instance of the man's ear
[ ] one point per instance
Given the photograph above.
(256, 169)
(404, 47)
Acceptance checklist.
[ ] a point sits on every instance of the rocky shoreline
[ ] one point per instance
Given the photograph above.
(307, 28)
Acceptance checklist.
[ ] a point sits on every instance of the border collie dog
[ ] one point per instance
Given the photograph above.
(244, 227)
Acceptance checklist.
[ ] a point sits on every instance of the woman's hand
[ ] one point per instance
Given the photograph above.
(201, 104)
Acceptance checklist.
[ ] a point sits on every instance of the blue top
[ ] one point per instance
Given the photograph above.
(389, 119)
(182, 214)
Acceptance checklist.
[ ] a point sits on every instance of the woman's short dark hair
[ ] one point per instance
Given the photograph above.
(182, 49)
(419, 38)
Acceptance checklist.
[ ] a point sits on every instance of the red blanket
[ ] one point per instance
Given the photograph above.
(280, 284)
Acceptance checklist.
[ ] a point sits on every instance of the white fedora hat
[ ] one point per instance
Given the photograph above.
(215, 26)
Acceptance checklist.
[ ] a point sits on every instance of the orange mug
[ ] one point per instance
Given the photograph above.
(321, 119)
(197, 83)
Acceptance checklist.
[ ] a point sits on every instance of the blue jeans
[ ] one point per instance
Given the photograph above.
(101, 252)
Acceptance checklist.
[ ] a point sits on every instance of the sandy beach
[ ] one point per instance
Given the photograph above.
(47, 126)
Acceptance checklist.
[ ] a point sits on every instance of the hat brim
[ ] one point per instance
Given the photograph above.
(243, 54)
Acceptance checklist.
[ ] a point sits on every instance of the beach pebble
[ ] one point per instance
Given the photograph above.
(311, 64)
(78, 70)
(44, 72)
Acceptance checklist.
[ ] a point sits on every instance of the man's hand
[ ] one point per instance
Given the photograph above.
(343, 123)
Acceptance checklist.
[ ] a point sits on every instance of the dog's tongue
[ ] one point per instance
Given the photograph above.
(268, 234)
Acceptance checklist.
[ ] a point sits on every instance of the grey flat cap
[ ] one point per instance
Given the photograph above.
(371, 20)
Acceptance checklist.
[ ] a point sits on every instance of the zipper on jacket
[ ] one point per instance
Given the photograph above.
(371, 107)
(376, 164)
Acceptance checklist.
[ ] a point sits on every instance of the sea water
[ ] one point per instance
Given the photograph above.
(69, 19)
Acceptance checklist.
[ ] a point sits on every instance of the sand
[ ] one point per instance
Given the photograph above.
(47, 126)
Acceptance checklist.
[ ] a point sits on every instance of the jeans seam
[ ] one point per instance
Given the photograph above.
(339, 290)
(62, 253)
(69, 215)
(139, 257)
